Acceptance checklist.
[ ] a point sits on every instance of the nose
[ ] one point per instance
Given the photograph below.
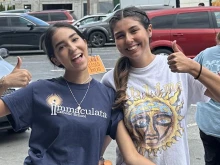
(72, 47)
(129, 38)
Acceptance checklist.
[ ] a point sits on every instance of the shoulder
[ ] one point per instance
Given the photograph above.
(108, 79)
(44, 82)
(108, 75)
(102, 88)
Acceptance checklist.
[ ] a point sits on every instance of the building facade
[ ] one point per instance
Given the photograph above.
(80, 6)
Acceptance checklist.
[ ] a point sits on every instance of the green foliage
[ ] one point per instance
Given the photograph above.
(2, 8)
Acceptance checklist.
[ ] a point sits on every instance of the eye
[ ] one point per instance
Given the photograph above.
(119, 36)
(61, 47)
(134, 30)
(74, 39)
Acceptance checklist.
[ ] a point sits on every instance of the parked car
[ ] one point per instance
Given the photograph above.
(89, 19)
(98, 33)
(193, 28)
(21, 31)
(53, 16)
(6, 68)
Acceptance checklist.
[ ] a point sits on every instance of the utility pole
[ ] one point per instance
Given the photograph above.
(88, 7)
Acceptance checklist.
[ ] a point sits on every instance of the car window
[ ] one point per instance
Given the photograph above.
(101, 17)
(193, 20)
(35, 20)
(163, 22)
(217, 17)
(91, 19)
(58, 16)
(18, 21)
(3, 21)
(42, 16)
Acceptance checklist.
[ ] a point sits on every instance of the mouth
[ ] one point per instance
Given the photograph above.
(77, 56)
(133, 47)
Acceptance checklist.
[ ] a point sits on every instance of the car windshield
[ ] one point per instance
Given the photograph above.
(36, 20)
(108, 16)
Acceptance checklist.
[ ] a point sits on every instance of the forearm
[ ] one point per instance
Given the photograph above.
(107, 141)
(3, 86)
(127, 148)
(138, 159)
(208, 79)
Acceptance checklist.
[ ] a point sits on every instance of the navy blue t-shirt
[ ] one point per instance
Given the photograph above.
(61, 134)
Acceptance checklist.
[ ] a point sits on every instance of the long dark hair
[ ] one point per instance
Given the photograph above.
(123, 65)
(48, 44)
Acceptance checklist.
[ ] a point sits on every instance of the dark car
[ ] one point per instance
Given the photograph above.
(89, 19)
(21, 31)
(5, 69)
(98, 33)
(54, 16)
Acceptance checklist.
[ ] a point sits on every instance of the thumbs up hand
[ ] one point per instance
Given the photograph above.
(18, 77)
(177, 61)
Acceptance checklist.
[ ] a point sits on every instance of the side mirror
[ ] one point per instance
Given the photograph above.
(31, 26)
(4, 52)
(78, 24)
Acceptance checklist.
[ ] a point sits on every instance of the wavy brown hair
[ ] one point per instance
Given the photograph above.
(123, 65)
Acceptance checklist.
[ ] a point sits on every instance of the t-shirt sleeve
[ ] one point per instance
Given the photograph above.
(196, 91)
(116, 117)
(20, 105)
(108, 79)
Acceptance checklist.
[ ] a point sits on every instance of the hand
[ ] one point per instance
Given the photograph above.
(177, 61)
(18, 77)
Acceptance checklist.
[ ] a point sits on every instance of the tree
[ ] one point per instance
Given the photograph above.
(2, 8)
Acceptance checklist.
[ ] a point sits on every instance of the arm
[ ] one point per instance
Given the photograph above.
(178, 62)
(107, 141)
(17, 78)
(127, 148)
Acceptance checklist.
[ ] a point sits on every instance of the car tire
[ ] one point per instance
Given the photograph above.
(164, 52)
(97, 39)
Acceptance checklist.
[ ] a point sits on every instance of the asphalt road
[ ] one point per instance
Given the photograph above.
(14, 147)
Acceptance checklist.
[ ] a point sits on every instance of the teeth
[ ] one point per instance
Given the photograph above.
(132, 48)
(77, 56)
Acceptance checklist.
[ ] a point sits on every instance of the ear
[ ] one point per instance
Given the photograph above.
(55, 61)
(149, 30)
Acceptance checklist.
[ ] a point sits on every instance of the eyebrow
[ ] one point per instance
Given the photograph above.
(63, 41)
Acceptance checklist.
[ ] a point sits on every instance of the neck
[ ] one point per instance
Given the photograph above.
(143, 61)
(78, 78)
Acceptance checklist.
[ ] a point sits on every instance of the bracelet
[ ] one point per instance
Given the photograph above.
(102, 158)
(199, 72)
(2, 82)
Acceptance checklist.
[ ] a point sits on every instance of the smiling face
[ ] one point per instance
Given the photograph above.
(70, 50)
(132, 39)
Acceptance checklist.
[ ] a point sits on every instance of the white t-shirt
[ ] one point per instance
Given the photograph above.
(155, 113)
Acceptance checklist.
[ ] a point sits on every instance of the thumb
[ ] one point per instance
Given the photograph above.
(175, 47)
(18, 65)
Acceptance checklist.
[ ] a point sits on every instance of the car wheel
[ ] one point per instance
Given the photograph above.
(164, 52)
(97, 39)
